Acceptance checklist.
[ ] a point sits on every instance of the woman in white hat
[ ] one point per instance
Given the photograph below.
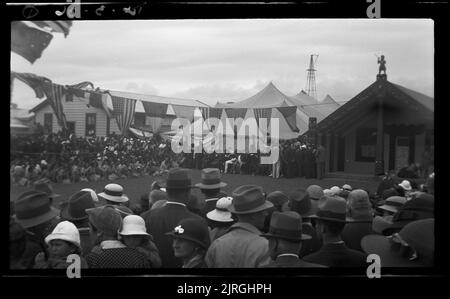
(134, 235)
(220, 219)
(62, 242)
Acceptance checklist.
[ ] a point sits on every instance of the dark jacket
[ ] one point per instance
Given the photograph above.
(354, 232)
(161, 221)
(289, 261)
(311, 245)
(337, 255)
(34, 246)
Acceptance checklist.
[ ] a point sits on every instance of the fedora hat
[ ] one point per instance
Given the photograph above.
(210, 179)
(412, 246)
(33, 208)
(178, 178)
(331, 208)
(286, 225)
(406, 185)
(43, 185)
(315, 192)
(113, 192)
(300, 202)
(248, 199)
(106, 219)
(192, 229)
(221, 213)
(393, 203)
(74, 208)
(278, 198)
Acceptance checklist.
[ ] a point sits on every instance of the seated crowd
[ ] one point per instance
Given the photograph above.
(171, 228)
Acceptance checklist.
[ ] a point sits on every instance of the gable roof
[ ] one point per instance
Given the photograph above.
(158, 99)
(269, 97)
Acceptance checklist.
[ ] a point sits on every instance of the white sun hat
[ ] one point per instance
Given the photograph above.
(406, 185)
(133, 225)
(221, 213)
(66, 231)
(93, 194)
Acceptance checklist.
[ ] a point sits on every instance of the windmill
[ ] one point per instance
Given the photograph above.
(311, 79)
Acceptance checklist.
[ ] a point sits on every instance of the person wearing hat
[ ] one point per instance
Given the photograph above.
(391, 205)
(359, 219)
(315, 193)
(155, 196)
(161, 220)
(113, 195)
(35, 214)
(109, 252)
(300, 202)
(412, 246)
(331, 219)
(74, 211)
(406, 188)
(43, 185)
(242, 246)
(285, 238)
(345, 191)
(419, 207)
(134, 235)
(17, 245)
(210, 186)
(62, 242)
(387, 182)
(190, 242)
(220, 219)
(278, 199)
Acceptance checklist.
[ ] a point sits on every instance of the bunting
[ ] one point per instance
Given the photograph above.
(262, 113)
(289, 113)
(215, 112)
(155, 109)
(186, 112)
(55, 26)
(236, 112)
(55, 93)
(123, 112)
(28, 42)
(205, 112)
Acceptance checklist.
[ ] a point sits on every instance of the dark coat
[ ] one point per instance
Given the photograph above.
(311, 245)
(337, 255)
(291, 262)
(354, 232)
(161, 221)
(34, 246)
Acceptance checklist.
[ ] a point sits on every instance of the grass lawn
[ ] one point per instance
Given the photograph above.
(135, 187)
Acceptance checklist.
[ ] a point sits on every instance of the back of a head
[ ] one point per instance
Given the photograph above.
(156, 195)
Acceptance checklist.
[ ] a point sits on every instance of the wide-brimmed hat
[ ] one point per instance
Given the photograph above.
(249, 199)
(93, 193)
(210, 179)
(315, 192)
(133, 225)
(66, 231)
(113, 192)
(105, 218)
(300, 202)
(178, 178)
(347, 187)
(43, 185)
(415, 209)
(406, 185)
(286, 225)
(33, 208)
(335, 190)
(278, 198)
(74, 208)
(396, 250)
(221, 213)
(331, 208)
(192, 229)
(393, 203)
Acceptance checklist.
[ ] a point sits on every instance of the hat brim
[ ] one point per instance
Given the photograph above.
(303, 237)
(388, 208)
(27, 223)
(267, 205)
(219, 216)
(65, 213)
(52, 237)
(172, 234)
(328, 219)
(213, 186)
(122, 198)
(380, 245)
(135, 233)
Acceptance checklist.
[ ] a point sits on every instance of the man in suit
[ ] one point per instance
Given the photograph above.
(162, 220)
(331, 219)
(285, 239)
(210, 187)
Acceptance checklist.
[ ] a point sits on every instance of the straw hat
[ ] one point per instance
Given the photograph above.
(221, 213)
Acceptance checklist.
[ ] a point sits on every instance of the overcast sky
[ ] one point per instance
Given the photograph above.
(231, 60)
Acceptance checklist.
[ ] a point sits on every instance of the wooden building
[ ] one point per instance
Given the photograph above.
(384, 127)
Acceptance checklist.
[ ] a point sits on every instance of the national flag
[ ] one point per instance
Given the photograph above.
(56, 26)
(55, 93)
(77, 90)
(32, 80)
(205, 112)
(123, 112)
(28, 42)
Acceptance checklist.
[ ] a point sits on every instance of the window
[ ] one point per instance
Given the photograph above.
(366, 140)
(90, 124)
(48, 123)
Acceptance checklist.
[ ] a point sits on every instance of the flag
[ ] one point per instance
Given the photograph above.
(186, 112)
(55, 93)
(123, 112)
(77, 90)
(56, 26)
(215, 112)
(205, 112)
(236, 112)
(28, 42)
(262, 113)
(155, 109)
(289, 114)
(35, 82)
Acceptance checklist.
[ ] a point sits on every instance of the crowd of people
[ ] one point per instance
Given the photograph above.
(171, 228)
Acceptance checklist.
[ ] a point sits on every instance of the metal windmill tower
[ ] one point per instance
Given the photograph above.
(311, 79)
